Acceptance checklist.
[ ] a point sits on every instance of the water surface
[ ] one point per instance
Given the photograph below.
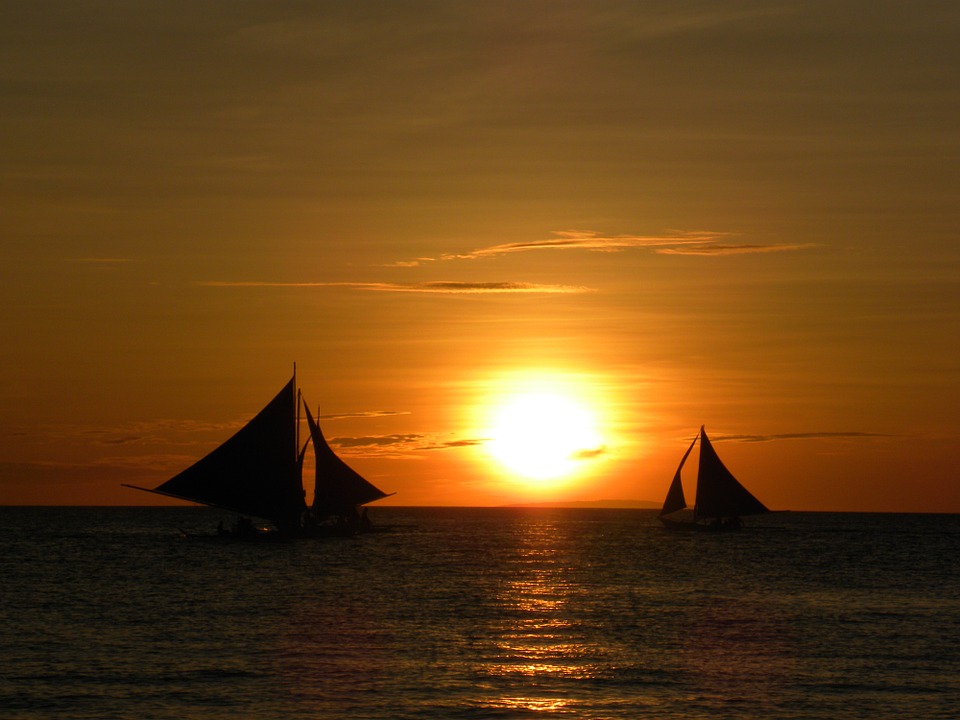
(480, 613)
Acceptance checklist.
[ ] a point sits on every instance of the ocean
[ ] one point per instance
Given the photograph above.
(480, 613)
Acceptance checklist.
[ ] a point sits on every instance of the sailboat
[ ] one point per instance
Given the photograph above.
(258, 472)
(721, 500)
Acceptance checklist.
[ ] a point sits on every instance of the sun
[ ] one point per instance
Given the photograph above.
(542, 435)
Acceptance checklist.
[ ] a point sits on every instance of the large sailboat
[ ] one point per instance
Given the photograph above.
(721, 500)
(258, 473)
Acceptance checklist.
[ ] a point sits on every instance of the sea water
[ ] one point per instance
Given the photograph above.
(480, 613)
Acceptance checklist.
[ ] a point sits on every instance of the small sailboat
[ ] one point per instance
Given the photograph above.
(258, 473)
(721, 500)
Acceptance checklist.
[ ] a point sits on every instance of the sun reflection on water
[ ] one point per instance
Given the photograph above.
(542, 705)
(540, 651)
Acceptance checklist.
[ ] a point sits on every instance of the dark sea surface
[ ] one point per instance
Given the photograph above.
(480, 613)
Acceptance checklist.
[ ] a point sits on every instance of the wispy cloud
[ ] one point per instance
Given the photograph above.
(715, 250)
(441, 287)
(413, 444)
(164, 464)
(123, 440)
(368, 414)
(450, 444)
(403, 440)
(803, 436)
(589, 240)
(100, 260)
(161, 432)
(590, 453)
(483, 287)
(416, 262)
(675, 243)
(408, 444)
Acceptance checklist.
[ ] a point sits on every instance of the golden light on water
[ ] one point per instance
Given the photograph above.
(537, 637)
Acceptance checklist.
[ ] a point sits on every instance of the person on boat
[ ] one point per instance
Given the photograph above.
(244, 528)
(308, 519)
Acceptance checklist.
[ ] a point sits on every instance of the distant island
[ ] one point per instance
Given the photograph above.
(614, 504)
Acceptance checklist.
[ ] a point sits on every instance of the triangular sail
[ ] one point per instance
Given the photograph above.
(256, 472)
(675, 500)
(719, 493)
(338, 489)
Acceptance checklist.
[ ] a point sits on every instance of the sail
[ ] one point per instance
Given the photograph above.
(338, 489)
(675, 499)
(719, 493)
(256, 472)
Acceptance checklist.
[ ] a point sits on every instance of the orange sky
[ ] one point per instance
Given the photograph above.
(739, 214)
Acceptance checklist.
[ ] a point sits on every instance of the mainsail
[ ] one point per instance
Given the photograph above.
(719, 494)
(256, 472)
(338, 489)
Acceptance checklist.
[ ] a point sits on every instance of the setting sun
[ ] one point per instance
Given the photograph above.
(542, 435)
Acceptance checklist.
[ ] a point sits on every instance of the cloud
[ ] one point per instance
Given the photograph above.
(674, 243)
(441, 287)
(473, 442)
(164, 432)
(161, 464)
(590, 453)
(404, 440)
(398, 444)
(271, 284)
(803, 436)
(715, 250)
(368, 414)
(104, 261)
(589, 240)
(482, 287)
(124, 440)
(416, 262)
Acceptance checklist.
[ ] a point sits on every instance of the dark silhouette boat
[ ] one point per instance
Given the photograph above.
(258, 473)
(720, 501)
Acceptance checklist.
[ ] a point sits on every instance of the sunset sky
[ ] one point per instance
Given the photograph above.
(641, 216)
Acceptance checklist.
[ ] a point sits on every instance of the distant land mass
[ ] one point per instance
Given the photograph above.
(641, 504)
